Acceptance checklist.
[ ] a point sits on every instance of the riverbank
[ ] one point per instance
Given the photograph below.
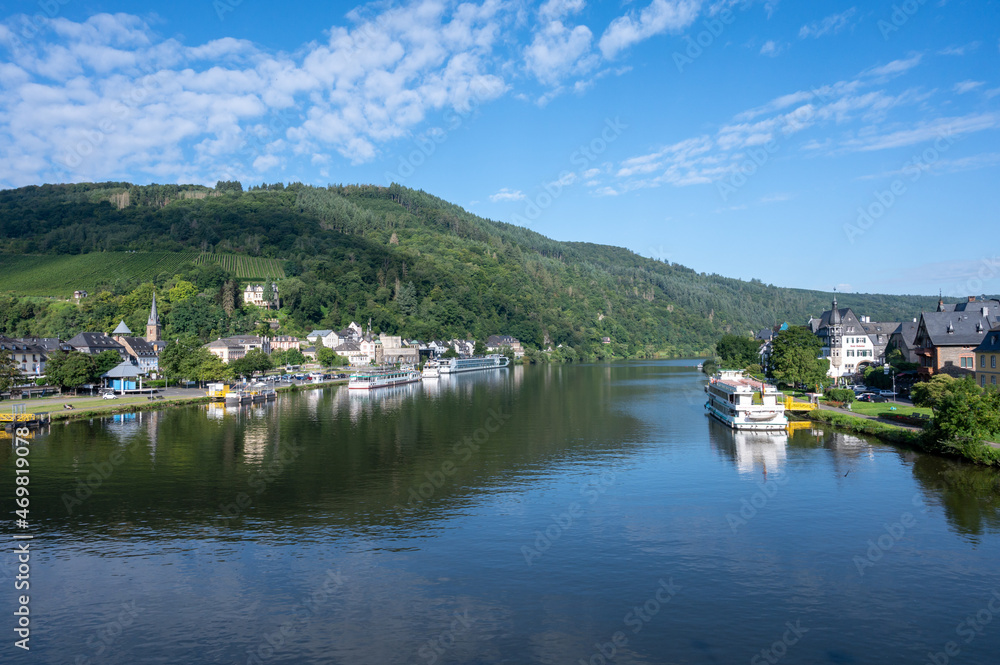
(976, 452)
(90, 407)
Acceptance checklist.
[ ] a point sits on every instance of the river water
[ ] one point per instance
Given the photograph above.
(537, 515)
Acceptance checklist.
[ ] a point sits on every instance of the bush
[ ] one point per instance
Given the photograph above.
(843, 395)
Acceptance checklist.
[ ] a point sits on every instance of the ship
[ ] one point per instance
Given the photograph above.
(456, 365)
(745, 403)
(382, 377)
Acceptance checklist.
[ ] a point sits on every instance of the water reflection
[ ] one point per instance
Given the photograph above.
(969, 495)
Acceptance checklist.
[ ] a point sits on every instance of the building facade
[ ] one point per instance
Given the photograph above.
(229, 349)
(947, 339)
(253, 294)
(986, 354)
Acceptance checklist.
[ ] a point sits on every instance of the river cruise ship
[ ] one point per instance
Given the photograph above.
(744, 403)
(456, 365)
(382, 377)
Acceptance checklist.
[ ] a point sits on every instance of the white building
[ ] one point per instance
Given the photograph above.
(253, 294)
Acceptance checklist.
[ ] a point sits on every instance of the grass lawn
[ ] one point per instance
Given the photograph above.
(870, 409)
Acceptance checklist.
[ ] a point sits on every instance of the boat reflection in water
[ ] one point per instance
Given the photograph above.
(754, 452)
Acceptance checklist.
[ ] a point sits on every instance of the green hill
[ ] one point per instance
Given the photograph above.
(412, 263)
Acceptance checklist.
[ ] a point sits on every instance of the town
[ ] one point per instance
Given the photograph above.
(121, 362)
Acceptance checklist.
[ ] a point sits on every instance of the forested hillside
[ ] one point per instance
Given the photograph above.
(412, 263)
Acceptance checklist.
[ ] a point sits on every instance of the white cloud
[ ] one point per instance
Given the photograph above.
(507, 195)
(659, 16)
(107, 98)
(770, 48)
(896, 66)
(959, 50)
(967, 86)
(557, 51)
(554, 10)
(831, 24)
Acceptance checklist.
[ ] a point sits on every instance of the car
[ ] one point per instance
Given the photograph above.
(870, 397)
(887, 393)
(109, 396)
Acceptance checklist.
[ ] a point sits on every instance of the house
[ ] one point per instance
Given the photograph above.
(29, 358)
(436, 348)
(463, 347)
(333, 339)
(987, 372)
(284, 343)
(253, 294)
(880, 333)
(79, 295)
(95, 343)
(237, 346)
(846, 344)
(946, 340)
(605, 340)
(903, 337)
(140, 352)
(352, 351)
(496, 342)
(394, 351)
(327, 337)
(309, 352)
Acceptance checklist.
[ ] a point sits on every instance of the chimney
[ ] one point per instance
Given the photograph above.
(986, 312)
(972, 298)
(914, 319)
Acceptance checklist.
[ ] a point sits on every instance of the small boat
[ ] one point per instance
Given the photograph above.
(431, 370)
(382, 377)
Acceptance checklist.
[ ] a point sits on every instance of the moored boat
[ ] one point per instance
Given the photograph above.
(456, 365)
(745, 403)
(381, 377)
(431, 370)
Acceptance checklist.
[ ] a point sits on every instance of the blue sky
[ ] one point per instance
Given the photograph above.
(815, 145)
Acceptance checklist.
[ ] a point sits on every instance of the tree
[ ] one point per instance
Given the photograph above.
(209, 367)
(254, 361)
(795, 357)
(229, 297)
(70, 369)
(288, 357)
(479, 349)
(450, 353)
(182, 291)
(105, 361)
(738, 352)
(268, 294)
(328, 357)
(964, 413)
(929, 393)
(10, 373)
(177, 353)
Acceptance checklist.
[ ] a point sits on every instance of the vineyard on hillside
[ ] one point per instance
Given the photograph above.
(48, 275)
(245, 267)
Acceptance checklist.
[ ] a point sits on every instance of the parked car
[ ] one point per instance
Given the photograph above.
(887, 393)
(870, 397)
(109, 396)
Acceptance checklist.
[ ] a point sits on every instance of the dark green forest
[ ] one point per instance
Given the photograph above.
(410, 262)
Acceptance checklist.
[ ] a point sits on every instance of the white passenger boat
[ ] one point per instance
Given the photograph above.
(431, 370)
(456, 365)
(381, 377)
(745, 403)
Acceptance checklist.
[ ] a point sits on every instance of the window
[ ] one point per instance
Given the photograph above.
(993, 380)
(993, 362)
(982, 360)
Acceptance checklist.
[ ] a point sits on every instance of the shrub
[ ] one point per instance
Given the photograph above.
(841, 395)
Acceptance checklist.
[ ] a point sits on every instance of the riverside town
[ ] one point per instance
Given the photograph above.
(556, 331)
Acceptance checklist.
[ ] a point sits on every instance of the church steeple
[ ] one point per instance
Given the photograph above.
(153, 324)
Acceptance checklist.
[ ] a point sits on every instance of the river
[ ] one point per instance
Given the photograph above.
(553, 514)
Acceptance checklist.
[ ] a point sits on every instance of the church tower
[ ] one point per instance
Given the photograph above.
(153, 324)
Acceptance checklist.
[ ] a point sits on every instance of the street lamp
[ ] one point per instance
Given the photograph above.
(888, 369)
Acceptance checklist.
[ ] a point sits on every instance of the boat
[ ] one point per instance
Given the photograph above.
(456, 365)
(745, 403)
(381, 377)
(431, 370)
(253, 394)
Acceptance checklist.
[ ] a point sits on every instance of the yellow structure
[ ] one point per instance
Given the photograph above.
(218, 391)
(792, 405)
(987, 353)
